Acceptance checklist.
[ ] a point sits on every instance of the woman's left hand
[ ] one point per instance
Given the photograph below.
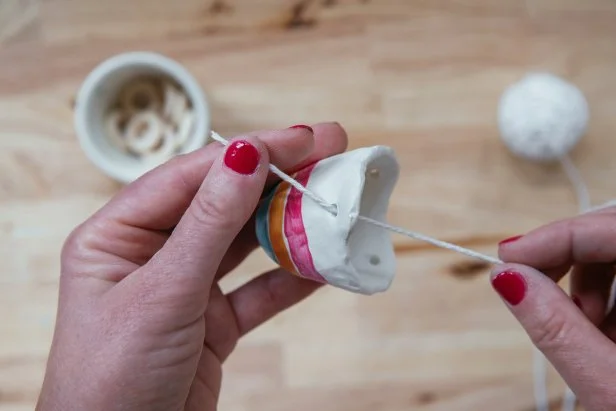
(142, 323)
(578, 334)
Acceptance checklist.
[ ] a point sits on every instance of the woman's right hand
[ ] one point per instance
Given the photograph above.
(576, 334)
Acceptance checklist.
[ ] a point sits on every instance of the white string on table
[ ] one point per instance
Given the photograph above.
(583, 199)
(584, 204)
(542, 402)
(581, 190)
(540, 363)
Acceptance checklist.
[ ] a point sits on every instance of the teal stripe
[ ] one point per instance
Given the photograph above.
(262, 225)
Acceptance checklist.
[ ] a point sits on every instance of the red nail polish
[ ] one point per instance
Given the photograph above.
(510, 240)
(511, 286)
(242, 157)
(577, 301)
(304, 127)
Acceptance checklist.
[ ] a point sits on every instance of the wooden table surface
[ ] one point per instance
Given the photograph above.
(421, 76)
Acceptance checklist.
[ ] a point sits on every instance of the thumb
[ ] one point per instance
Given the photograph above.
(581, 354)
(183, 270)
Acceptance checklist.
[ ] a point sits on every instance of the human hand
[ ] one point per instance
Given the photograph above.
(575, 334)
(142, 323)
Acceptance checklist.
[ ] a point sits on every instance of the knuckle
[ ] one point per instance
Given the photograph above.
(271, 292)
(82, 242)
(77, 251)
(276, 293)
(209, 211)
(73, 244)
(552, 331)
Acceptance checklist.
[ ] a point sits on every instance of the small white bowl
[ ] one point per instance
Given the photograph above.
(101, 89)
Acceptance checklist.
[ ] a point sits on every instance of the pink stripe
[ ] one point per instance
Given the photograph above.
(296, 234)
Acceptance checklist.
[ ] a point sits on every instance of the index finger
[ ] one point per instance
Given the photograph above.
(589, 238)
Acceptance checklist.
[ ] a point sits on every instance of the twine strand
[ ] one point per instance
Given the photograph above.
(333, 209)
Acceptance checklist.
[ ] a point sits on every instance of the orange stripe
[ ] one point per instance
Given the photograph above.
(276, 231)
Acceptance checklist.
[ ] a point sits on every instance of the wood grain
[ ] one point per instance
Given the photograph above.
(422, 76)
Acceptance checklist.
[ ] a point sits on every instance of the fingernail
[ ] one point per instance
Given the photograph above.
(305, 127)
(510, 240)
(242, 157)
(576, 301)
(511, 286)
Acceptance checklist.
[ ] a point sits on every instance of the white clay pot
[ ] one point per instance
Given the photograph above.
(340, 250)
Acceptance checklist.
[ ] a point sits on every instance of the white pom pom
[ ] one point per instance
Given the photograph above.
(542, 117)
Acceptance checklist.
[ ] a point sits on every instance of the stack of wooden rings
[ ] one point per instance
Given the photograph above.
(151, 120)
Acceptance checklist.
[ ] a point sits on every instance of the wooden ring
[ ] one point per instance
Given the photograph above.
(184, 130)
(143, 132)
(113, 129)
(141, 95)
(175, 103)
(164, 152)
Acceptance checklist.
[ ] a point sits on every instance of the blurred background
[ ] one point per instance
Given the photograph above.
(422, 76)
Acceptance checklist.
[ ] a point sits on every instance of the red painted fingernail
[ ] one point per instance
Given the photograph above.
(510, 240)
(511, 286)
(242, 157)
(577, 301)
(304, 127)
